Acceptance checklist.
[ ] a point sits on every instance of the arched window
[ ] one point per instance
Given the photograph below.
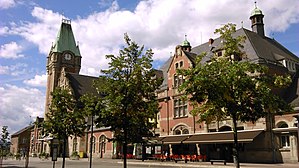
(225, 128)
(93, 144)
(284, 138)
(185, 131)
(282, 124)
(102, 147)
(181, 129)
(75, 144)
(177, 132)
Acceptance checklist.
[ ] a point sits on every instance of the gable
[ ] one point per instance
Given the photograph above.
(81, 84)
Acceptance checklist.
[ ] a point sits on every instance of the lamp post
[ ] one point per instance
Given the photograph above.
(91, 141)
(297, 117)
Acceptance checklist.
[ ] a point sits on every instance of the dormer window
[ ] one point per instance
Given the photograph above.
(219, 53)
(291, 65)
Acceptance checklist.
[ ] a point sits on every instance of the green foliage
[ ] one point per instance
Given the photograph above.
(18, 156)
(44, 155)
(129, 86)
(226, 87)
(64, 118)
(4, 141)
(92, 104)
(232, 86)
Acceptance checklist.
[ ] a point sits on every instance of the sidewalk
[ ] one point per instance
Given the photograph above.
(209, 165)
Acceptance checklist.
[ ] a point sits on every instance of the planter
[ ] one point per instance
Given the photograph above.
(74, 157)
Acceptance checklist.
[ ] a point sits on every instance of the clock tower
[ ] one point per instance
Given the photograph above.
(64, 56)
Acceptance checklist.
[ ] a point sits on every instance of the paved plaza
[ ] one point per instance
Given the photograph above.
(116, 163)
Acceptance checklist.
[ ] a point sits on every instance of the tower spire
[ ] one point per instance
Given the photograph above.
(257, 23)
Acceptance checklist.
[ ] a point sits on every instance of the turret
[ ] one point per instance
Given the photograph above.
(257, 23)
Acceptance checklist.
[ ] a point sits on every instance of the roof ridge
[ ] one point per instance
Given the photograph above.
(75, 74)
(252, 44)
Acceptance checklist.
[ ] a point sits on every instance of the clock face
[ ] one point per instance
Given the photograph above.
(67, 56)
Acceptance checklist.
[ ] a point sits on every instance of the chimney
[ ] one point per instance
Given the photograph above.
(211, 41)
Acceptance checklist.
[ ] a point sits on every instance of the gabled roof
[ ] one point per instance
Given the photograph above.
(191, 56)
(65, 40)
(164, 69)
(291, 94)
(22, 130)
(258, 49)
(81, 84)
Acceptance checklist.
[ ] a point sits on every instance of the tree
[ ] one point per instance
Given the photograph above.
(129, 85)
(64, 118)
(92, 104)
(4, 142)
(226, 86)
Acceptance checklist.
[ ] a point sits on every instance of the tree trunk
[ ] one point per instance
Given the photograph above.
(27, 158)
(235, 148)
(125, 147)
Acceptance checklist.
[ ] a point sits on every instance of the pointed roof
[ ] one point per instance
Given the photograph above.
(22, 130)
(65, 40)
(81, 84)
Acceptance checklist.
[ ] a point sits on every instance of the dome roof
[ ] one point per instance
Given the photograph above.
(256, 11)
(185, 43)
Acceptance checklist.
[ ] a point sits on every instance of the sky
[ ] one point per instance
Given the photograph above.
(28, 28)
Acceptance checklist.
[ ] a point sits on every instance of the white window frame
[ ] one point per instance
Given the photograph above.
(285, 141)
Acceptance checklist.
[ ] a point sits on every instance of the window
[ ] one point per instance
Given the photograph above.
(282, 124)
(182, 129)
(75, 144)
(285, 141)
(185, 131)
(181, 64)
(219, 54)
(180, 108)
(93, 144)
(177, 132)
(102, 142)
(178, 81)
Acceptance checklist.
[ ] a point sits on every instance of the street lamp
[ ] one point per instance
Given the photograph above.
(90, 125)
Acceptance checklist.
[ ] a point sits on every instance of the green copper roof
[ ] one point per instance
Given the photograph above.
(185, 43)
(65, 40)
(256, 11)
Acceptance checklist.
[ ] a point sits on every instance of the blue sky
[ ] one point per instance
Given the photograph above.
(28, 28)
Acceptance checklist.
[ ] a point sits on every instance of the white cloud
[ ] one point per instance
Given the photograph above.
(11, 50)
(42, 33)
(37, 81)
(5, 4)
(4, 30)
(157, 24)
(105, 3)
(18, 105)
(14, 70)
(4, 70)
